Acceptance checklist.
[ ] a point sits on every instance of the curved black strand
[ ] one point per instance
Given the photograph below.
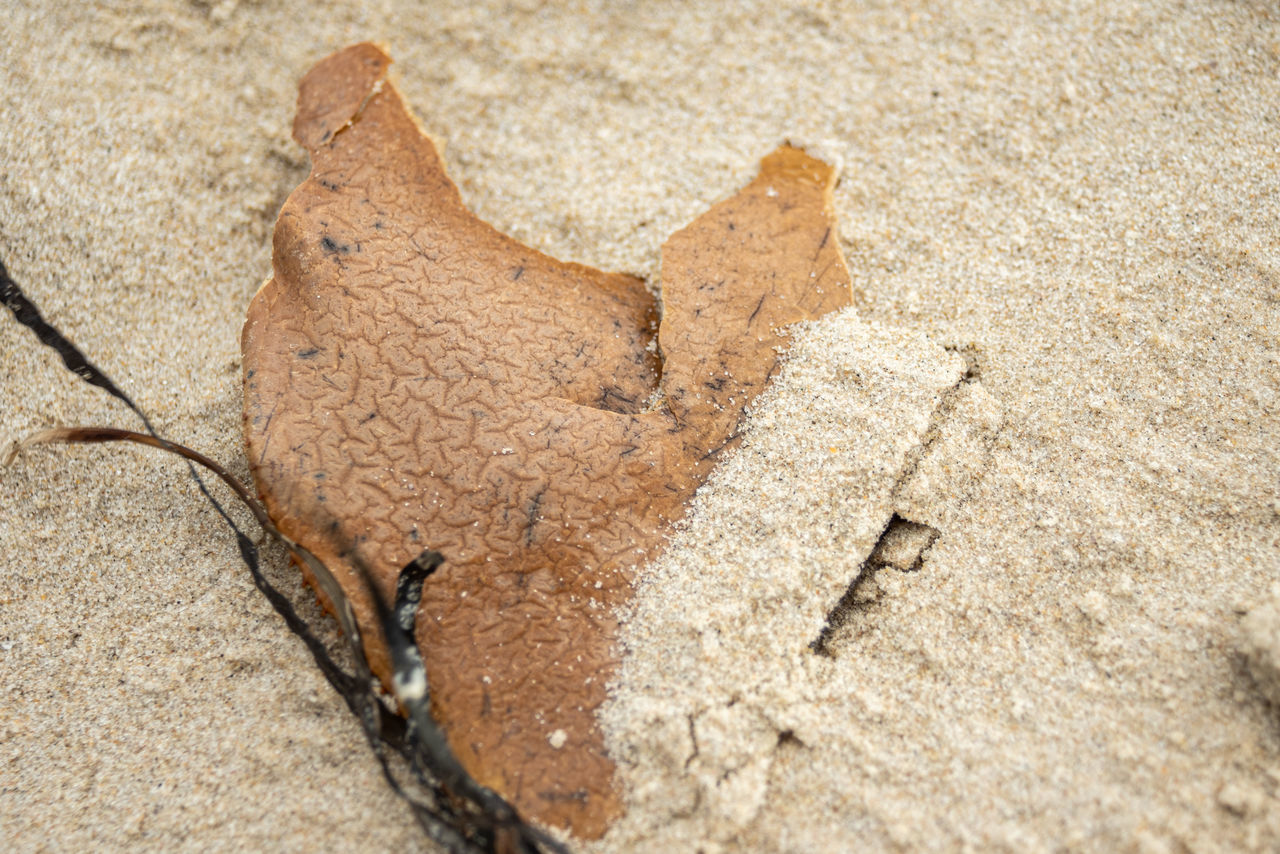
(452, 808)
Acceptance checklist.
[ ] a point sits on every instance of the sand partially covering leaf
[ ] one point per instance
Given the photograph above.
(1079, 201)
(415, 379)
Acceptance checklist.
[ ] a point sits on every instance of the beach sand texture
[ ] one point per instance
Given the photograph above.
(1063, 227)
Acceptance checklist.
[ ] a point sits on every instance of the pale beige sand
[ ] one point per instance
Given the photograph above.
(1085, 198)
(1261, 645)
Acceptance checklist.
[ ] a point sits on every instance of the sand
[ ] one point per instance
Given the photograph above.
(1063, 224)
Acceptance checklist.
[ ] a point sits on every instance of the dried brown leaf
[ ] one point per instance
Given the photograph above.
(426, 381)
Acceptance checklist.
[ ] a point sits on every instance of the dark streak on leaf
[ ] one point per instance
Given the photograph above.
(409, 588)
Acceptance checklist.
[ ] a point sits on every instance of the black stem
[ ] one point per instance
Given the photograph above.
(486, 822)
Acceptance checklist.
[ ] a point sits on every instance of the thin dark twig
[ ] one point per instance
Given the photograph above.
(457, 812)
(29, 316)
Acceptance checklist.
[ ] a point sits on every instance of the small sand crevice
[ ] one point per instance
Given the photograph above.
(729, 678)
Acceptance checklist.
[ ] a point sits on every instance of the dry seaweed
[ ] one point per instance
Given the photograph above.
(416, 760)
(29, 316)
(423, 377)
(403, 346)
